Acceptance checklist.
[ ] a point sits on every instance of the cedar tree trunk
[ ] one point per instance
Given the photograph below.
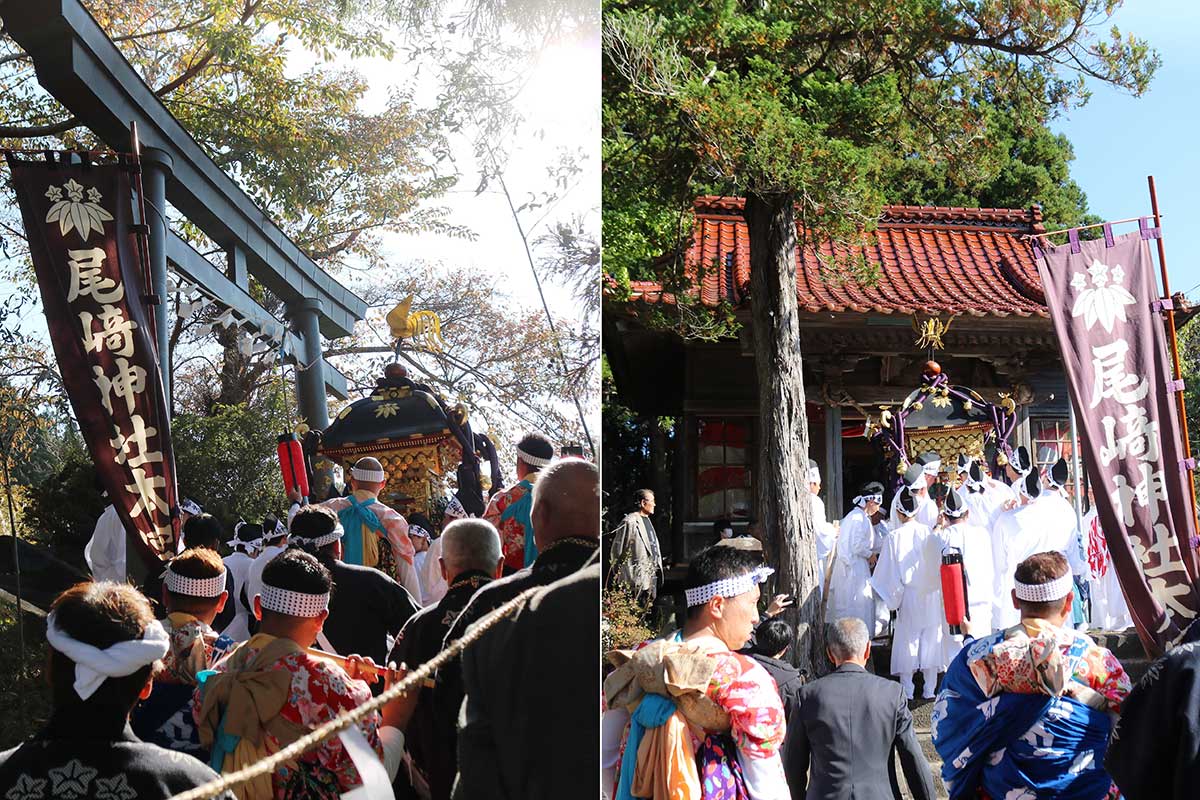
(784, 508)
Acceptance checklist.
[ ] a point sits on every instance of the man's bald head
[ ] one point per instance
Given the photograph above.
(470, 544)
(566, 502)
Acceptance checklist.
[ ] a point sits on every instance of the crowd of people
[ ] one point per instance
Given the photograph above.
(1025, 703)
(218, 663)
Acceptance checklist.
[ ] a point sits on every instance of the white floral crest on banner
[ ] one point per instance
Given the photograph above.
(1100, 302)
(74, 213)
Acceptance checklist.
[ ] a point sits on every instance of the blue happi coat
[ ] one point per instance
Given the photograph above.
(1017, 746)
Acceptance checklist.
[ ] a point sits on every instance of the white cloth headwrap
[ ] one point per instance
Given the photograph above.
(93, 666)
(533, 460)
(294, 604)
(194, 587)
(368, 475)
(814, 474)
(861, 500)
(247, 542)
(1056, 589)
(726, 587)
(328, 538)
(417, 530)
(190, 507)
(932, 468)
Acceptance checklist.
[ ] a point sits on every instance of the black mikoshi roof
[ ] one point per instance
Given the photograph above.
(398, 411)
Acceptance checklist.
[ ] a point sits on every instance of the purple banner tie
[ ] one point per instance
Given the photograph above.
(1073, 238)
(1166, 304)
(1175, 385)
(1194, 542)
(1037, 252)
(1108, 235)
(1186, 464)
(1146, 231)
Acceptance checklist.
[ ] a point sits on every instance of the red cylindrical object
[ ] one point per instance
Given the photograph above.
(291, 464)
(954, 597)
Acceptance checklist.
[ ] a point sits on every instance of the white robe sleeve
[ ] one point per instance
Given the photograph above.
(105, 552)
(764, 777)
(612, 727)
(859, 538)
(887, 580)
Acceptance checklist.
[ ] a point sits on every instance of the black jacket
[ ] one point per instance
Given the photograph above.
(845, 729)
(87, 752)
(364, 608)
(529, 725)
(430, 736)
(1154, 749)
(787, 679)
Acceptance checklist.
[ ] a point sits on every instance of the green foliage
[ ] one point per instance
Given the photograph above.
(227, 460)
(842, 107)
(24, 695)
(623, 622)
(301, 142)
(62, 509)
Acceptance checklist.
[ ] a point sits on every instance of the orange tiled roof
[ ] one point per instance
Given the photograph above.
(930, 259)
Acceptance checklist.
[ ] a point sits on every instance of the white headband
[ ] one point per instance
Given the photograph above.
(294, 604)
(932, 468)
(93, 665)
(1056, 589)
(954, 514)
(862, 499)
(194, 587)
(325, 538)
(533, 460)
(190, 507)
(814, 474)
(417, 530)
(368, 475)
(727, 587)
(245, 542)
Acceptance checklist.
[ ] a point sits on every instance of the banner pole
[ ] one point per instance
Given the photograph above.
(1166, 285)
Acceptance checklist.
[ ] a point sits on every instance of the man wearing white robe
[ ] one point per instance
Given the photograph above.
(1018, 533)
(1062, 529)
(908, 579)
(825, 531)
(1110, 612)
(984, 496)
(917, 479)
(859, 538)
(974, 542)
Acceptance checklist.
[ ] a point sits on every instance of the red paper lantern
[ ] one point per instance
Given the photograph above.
(954, 590)
(291, 464)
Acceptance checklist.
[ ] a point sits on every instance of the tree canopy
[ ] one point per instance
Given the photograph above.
(846, 106)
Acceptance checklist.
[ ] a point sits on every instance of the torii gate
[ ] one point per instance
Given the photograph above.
(79, 65)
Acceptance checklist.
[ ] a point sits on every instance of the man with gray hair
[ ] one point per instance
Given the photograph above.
(470, 559)
(846, 726)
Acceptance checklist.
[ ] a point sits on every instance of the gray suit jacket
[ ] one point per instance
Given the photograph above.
(635, 554)
(846, 725)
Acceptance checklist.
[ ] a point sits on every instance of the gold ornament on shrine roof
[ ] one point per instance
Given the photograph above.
(424, 328)
(930, 332)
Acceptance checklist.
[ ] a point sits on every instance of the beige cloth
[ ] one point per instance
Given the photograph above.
(250, 696)
(678, 670)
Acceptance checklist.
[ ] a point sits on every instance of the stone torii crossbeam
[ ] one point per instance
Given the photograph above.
(82, 68)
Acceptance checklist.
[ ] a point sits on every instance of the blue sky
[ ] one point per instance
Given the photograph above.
(1120, 139)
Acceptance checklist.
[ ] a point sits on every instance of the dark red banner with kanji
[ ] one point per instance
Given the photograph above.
(78, 219)
(1103, 299)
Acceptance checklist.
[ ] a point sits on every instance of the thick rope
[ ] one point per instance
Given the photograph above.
(338, 724)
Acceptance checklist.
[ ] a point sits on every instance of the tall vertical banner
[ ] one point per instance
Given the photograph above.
(78, 220)
(1103, 299)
